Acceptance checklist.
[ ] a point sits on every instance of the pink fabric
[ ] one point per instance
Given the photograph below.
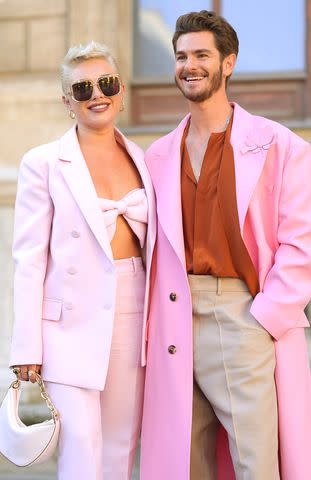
(65, 280)
(133, 207)
(274, 208)
(100, 430)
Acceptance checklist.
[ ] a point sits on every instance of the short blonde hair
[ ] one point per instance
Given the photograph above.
(78, 54)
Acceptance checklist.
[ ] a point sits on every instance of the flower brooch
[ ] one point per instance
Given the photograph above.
(257, 140)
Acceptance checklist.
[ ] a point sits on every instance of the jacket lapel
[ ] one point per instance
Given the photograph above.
(79, 181)
(165, 172)
(137, 156)
(250, 141)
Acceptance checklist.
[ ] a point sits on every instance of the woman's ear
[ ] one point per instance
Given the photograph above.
(66, 101)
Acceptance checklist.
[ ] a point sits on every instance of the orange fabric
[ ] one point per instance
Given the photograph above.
(212, 237)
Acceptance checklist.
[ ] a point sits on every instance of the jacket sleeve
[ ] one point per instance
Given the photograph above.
(287, 288)
(32, 228)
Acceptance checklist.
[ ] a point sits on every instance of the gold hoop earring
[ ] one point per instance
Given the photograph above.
(72, 114)
(122, 106)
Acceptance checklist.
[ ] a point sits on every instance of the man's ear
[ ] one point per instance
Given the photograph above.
(229, 64)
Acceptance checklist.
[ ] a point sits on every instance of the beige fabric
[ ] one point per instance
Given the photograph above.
(234, 366)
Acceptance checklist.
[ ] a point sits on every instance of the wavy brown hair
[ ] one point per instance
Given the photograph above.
(226, 39)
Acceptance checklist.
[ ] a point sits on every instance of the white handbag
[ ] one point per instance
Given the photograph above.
(26, 445)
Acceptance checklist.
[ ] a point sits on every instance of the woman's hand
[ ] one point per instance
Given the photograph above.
(27, 372)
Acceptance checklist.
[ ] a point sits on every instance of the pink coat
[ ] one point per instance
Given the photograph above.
(273, 172)
(65, 283)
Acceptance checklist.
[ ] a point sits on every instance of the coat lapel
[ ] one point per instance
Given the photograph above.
(79, 181)
(250, 141)
(165, 172)
(137, 156)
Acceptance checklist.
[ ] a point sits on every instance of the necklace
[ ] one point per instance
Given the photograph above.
(228, 120)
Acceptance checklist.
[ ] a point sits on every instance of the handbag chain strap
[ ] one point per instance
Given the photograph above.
(44, 394)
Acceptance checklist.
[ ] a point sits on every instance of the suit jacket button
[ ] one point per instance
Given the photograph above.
(69, 306)
(173, 297)
(75, 234)
(72, 270)
(172, 349)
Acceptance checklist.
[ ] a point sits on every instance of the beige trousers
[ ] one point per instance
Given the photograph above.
(234, 364)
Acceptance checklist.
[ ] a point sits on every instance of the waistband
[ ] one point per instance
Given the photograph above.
(132, 264)
(216, 284)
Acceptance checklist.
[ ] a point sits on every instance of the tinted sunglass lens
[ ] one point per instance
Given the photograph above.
(82, 91)
(109, 85)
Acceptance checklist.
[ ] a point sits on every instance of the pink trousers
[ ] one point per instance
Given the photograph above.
(100, 429)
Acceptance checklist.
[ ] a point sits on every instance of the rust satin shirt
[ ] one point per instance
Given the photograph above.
(213, 241)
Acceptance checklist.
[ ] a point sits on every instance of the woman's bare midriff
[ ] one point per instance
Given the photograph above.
(125, 243)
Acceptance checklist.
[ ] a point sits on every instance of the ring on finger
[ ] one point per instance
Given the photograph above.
(30, 373)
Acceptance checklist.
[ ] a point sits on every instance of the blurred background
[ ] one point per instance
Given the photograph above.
(272, 78)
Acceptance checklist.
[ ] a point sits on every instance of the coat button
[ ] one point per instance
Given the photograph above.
(72, 270)
(172, 349)
(69, 306)
(75, 234)
(173, 297)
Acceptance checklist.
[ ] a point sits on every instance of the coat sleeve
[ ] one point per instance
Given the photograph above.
(32, 228)
(287, 288)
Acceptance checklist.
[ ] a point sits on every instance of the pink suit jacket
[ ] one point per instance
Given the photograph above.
(273, 172)
(65, 283)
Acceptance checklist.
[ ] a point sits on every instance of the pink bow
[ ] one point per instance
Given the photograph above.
(133, 207)
(260, 139)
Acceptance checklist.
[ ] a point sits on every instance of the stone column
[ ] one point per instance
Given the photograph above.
(7, 195)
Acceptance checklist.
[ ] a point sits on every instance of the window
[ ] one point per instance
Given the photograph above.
(155, 24)
(273, 72)
(271, 34)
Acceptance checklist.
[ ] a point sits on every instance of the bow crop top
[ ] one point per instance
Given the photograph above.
(134, 209)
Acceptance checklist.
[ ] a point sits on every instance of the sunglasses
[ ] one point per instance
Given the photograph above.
(109, 85)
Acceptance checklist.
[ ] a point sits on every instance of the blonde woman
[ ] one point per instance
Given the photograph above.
(84, 235)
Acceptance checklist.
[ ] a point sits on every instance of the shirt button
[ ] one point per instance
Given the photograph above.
(172, 349)
(69, 306)
(107, 306)
(173, 297)
(75, 234)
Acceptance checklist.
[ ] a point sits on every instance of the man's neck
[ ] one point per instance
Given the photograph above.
(210, 116)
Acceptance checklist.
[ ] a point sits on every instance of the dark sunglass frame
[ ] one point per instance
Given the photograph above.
(110, 77)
